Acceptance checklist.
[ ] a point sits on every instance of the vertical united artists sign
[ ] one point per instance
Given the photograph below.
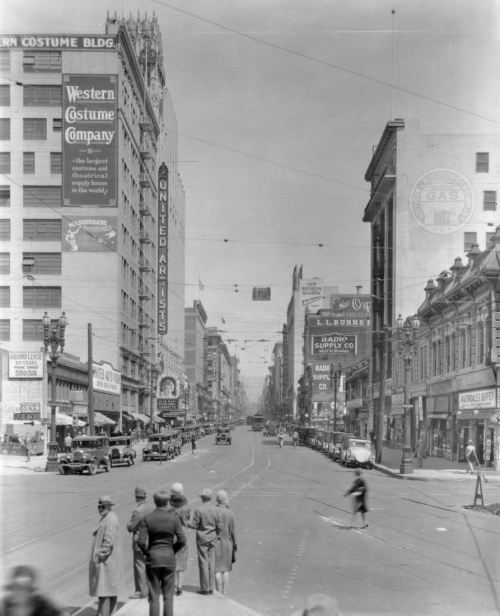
(162, 249)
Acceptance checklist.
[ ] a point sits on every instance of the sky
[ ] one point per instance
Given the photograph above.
(279, 104)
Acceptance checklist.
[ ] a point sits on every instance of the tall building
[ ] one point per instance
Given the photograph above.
(92, 203)
(432, 197)
(307, 294)
(199, 398)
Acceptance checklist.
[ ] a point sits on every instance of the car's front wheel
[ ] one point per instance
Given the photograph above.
(62, 470)
(107, 466)
(129, 462)
(92, 468)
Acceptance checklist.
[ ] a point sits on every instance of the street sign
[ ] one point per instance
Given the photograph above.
(261, 294)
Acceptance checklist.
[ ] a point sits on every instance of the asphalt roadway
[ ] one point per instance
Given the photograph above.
(424, 552)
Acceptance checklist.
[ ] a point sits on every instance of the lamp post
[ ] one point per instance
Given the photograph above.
(54, 346)
(335, 375)
(407, 338)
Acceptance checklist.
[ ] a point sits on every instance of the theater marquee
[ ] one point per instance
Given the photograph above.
(162, 249)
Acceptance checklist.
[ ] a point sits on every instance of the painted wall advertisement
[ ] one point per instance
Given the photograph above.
(162, 249)
(57, 41)
(311, 294)
(89, 234)
(333, 342)
(479, 399)
(106, 379)
(25, 365)
(89, 144)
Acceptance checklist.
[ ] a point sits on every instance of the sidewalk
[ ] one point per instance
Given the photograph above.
(189, 604)
(10, 464)
(434, 468)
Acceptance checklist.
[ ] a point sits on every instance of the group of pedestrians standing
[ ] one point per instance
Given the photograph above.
(159, 547)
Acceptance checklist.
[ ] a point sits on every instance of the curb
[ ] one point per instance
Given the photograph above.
(391, 473)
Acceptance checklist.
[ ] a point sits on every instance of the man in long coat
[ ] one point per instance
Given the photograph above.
(104, 565)
(207, 522)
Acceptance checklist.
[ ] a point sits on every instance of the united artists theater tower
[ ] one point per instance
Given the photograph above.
(92, 211)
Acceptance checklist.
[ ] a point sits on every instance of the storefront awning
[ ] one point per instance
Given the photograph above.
(102, 420)
(127, 416)
(66, 420)
(140, 417)
(158, 419)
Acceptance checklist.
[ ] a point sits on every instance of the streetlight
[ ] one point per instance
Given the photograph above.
(407, 338)
(55, 342)
(335, 376)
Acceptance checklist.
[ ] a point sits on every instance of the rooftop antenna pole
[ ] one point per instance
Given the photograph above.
(393, 13)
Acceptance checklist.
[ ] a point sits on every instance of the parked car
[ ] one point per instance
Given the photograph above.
(160, 446)
(88, 453)
(335, 445)
(223, 436)
(357, 452)
(121, 450)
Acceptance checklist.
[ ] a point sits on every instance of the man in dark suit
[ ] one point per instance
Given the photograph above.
(142, 509)
(160, 536)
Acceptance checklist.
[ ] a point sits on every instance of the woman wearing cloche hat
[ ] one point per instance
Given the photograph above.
(178, 504)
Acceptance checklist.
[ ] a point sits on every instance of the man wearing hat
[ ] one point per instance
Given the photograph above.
(142, 509)
(207, 522)
(178, 505)
(104, 565)
(160, 536)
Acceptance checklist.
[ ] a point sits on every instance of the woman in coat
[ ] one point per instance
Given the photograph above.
(104, 565)
(225, 545)
(178, 504)
(358, 491)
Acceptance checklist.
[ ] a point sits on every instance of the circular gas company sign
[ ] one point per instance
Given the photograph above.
(442, 201)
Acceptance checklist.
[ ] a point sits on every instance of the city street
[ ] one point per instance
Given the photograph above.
(423, 552)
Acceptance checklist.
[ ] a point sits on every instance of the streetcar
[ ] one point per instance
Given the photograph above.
(258, 423)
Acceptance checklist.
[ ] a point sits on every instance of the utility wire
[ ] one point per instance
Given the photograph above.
(321, 62)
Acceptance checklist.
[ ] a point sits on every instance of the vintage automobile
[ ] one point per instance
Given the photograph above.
(161, 446)
(335, 444)
(121, 450)
(357, 452)
(223, 436)
(88, 453)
